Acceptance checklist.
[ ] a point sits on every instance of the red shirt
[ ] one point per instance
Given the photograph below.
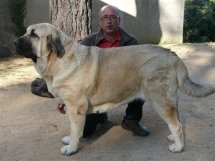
(105, 43)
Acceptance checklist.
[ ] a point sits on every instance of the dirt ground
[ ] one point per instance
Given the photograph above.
(31, 128)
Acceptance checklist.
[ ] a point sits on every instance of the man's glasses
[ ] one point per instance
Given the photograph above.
(111, 17)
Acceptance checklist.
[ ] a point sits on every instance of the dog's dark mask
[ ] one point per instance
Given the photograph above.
(24, 47)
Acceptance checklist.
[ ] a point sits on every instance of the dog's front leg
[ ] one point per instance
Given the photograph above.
(77, 114)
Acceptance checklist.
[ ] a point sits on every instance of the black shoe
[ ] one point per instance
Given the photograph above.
(39, 87)
(135, 127)
(92, 120)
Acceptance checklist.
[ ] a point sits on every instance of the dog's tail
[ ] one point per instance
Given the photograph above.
(188, 86)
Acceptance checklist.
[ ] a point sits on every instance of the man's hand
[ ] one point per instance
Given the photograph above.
(60, 107)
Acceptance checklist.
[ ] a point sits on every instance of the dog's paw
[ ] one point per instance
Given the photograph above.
(175, 148)
(170, 137)
(66, 140)
(68, 150)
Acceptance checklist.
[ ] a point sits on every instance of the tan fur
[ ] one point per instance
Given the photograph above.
(90, 79)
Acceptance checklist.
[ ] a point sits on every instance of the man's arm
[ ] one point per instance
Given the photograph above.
(133, 41)
(89, 40)
(127, 39)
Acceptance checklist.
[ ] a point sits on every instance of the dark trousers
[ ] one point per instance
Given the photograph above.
(133, 113)
(134, 110)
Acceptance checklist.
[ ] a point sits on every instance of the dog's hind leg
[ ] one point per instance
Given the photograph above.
(170, 115)
(77, 115)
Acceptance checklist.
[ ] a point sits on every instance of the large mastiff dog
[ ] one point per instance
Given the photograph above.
(93, 80)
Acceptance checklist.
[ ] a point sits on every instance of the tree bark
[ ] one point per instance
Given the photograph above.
(73, 17)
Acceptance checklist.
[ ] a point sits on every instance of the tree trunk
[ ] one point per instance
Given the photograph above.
(73, 17)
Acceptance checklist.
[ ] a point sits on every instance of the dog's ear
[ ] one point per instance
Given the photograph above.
(56, 45)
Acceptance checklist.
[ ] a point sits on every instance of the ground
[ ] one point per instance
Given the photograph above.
(31, 127)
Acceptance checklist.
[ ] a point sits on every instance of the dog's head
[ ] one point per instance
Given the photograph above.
(40, 40)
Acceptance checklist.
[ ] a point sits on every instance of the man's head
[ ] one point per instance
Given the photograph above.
(109, 19)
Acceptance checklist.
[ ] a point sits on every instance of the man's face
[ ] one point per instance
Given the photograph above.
(109, 21)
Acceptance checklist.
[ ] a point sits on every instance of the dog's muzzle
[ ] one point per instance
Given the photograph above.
(24, 47)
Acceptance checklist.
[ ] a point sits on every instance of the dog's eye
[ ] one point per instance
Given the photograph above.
(33, 34)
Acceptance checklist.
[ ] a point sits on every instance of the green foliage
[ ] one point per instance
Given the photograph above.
(18, 10)
(199, 21)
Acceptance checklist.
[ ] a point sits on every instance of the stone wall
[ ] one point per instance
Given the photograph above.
(6, 30)
(37, 11)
